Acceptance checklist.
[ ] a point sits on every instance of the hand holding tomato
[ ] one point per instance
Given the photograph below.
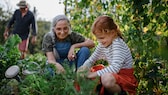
(93, 74)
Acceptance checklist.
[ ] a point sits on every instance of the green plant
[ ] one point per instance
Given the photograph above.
(152, 76)
(142, 24)
(9, 54)
(58, 84)
(41, 81)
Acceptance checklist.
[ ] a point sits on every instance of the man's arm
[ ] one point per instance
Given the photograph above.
(10, 23)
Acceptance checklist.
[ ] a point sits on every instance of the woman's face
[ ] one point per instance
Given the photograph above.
(62, 29)
(105, 38)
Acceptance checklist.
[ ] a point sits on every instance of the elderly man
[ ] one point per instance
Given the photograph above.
(22, 20)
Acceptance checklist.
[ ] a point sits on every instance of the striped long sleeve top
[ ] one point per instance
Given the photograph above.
(117, 55)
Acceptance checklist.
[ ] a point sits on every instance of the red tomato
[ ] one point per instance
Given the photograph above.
(77, 86)
(96, 68)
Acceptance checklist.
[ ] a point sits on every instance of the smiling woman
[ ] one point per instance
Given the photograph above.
(45, 10)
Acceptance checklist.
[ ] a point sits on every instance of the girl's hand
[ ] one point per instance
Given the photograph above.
(82, 71)
(93, 71)
(92, 75)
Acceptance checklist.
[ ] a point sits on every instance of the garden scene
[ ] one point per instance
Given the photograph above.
(144, 26)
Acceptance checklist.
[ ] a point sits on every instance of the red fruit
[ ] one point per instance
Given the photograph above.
(96, 68)
(77, 86)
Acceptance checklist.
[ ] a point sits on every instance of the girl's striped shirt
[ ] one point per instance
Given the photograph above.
(117, 55)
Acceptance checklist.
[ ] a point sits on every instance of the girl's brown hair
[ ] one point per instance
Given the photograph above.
(104, 23)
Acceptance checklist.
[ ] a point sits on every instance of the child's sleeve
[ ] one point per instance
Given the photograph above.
(94, 57)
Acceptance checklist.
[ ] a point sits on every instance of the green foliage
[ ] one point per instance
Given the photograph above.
(4, 16)
(143, 36)
(143, 24)
(152, 76)
(41, 81)
(43, 27)
(9, 87)
(9, 53)
(58, 84)
(142, 33)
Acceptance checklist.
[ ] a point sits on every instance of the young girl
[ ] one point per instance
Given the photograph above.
(118, 75)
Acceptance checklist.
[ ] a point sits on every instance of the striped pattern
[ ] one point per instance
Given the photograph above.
(118, 56)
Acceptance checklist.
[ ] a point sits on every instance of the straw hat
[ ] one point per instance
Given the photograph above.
(22, 4)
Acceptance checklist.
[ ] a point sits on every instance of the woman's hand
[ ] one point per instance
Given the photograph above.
(51, 60)
(71, 54)
(59, 68)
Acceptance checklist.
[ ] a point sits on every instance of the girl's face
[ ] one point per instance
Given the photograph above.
(105, 38)
(62, 29)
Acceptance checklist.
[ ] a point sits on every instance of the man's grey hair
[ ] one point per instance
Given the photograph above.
(57, 19)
